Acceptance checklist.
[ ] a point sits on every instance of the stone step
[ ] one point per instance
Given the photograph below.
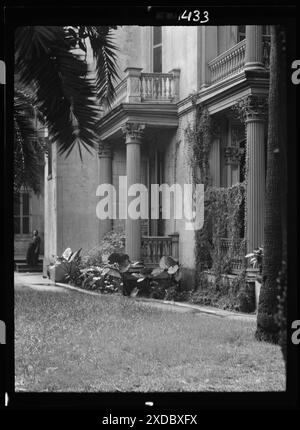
(22, 260)
(23, 267)
(36, 269)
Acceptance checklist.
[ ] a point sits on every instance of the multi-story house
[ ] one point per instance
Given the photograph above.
(165, 73)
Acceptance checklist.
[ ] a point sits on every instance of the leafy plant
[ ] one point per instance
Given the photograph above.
(112, 242)
(106, 279)
(160, 280)
(256, 259)
(68, 264)
(29, 148)
(51, 60)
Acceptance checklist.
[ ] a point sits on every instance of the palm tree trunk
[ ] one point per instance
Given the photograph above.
(282, 279)
(267, 327)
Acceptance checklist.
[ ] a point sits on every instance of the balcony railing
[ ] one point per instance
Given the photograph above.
(232, 61)
(228, 63)
(138, 87)
(157, 87)
(155, 247)
(237, 251)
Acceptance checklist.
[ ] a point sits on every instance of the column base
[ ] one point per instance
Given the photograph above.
(254, 66)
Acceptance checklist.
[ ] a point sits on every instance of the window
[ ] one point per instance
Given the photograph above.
(157, 49)
(241, 32)
(21, 213)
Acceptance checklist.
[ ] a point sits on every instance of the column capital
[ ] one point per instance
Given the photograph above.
(252, 108)
(104, 150)
(133, 132)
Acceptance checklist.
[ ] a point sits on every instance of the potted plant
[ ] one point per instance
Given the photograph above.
(63, 266)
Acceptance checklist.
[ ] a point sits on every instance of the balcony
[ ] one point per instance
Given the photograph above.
(139, 87)
(232, 61)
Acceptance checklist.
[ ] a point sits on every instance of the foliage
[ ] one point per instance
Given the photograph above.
(28, 146)
(224, 293)
(223, 207)
(199, 137)
(162, 282)
(223, 215)
(105, 279)
(113, 241)
(51, 61)
(257, 258)
(67, 264)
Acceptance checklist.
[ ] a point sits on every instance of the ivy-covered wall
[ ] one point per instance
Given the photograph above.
(224, 217)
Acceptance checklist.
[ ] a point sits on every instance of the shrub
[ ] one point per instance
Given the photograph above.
(236, 295)
(162, 282)
(103, 279)
(112, 242)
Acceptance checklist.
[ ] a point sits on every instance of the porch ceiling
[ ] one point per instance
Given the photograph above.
(153, 115)
(225, 94)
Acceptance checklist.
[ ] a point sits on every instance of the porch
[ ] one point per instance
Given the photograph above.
(155, 247)
(140, 120)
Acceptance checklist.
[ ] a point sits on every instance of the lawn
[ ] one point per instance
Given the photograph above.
(74, 342)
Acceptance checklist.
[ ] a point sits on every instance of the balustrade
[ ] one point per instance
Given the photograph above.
(155, 247)
(237, 252)
(232, 61)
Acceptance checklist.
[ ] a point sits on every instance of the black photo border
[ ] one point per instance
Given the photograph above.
(110, 13)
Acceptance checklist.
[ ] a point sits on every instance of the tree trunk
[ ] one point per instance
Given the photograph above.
(282, 278)
(267, 327)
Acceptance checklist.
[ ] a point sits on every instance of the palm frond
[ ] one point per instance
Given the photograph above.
(105, 54)
(63, 92)
(28, 148)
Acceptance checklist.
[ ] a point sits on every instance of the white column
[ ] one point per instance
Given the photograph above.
(133, 138)
(105, 177)
(254, 47)
(254, 109)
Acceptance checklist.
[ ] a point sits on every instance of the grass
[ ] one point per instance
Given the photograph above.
(75, 342)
